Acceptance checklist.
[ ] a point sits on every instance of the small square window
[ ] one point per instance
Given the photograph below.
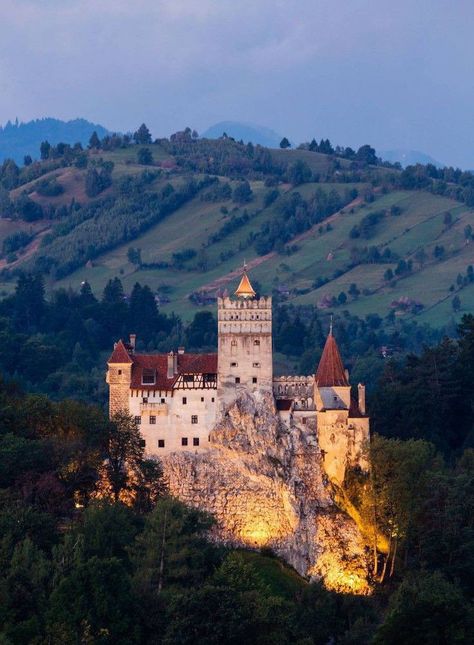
(255, 364)
(152, 419)
(256, 342)
(212, 400)
(145, 399)
(254, 379)
(195, 441)
(233, 343)
(142, 443)
(184, 441)
(161, 443)
(237, 379)
(119, 372)
(202, 399)
(185, 400)
(138, 420)
(194, 418)
(162, 400)
(188, 378)
(233, 364)
(303, 421)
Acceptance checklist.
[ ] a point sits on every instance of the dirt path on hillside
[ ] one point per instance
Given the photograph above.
(221, 282)
(30, 249)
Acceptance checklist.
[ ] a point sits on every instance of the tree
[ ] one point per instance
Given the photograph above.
(426, 608)
(93, 184)
(142, 136)
(242, 193)
(45, 149)
(94, 141)
(456, 303)
(367, 155)
(284, 143)
(134, 256)
(299, 173)
(354, 291)
(27, 160)
(123, 453)
(388, 275)
(144, 157)
(420, 256)
(447, 220)
(342, 298)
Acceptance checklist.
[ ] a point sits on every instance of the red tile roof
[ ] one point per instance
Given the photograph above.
(330, 369)
(120, 354)
(187, 364)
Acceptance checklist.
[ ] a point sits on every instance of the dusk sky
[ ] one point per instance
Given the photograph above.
(395, 74)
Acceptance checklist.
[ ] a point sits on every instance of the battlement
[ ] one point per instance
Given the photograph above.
(265, 302)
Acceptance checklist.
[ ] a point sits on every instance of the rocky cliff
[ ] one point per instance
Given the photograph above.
(265, 485)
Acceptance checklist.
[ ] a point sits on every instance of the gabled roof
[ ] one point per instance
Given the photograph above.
(330, 370)
(245, 289)
(186, 364)
(120, 354)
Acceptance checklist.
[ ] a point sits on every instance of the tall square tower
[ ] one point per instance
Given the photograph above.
(244, 343)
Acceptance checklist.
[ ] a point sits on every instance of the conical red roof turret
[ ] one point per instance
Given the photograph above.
(331, 371)
(120, 354)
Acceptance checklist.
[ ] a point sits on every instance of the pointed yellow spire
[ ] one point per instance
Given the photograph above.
(245, 289)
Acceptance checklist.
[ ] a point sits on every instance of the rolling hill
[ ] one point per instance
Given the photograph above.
(20, 139)
(382, 249)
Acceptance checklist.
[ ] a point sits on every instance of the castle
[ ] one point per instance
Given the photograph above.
(177, 398)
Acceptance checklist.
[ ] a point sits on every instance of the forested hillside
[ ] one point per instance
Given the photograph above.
(328, 227)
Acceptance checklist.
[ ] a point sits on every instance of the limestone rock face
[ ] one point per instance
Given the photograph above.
(264, 483)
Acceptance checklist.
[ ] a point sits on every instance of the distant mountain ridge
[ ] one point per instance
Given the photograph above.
(20, 139)
(257, 134)
(407, 157)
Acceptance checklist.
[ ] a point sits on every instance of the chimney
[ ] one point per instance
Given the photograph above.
(181, 350)
(133, 340)
(361, 391)
(175, 363)
(346, 373)
(170, 365)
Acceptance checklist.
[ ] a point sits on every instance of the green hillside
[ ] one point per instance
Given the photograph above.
(315, 229)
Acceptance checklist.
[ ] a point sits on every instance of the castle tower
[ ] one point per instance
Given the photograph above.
(244, 343)
(119, 376)
(342, 424)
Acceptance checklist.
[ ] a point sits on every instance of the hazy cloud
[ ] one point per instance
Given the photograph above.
(393, 74)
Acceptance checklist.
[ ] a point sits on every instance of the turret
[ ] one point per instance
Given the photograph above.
(331, 382)
(119, 376)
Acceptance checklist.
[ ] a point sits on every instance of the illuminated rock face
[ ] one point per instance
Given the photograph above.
(265, 485)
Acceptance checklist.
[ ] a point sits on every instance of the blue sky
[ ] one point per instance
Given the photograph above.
(396, 74)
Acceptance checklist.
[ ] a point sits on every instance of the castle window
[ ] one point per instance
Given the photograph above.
(184, 441)
(138, 420)
(195, 441)
(303, 421)
(152, 419)
(237, 379)
(212, 400)
(185, 400)
(188, 378)
(256, 342)
(257, 316)
(142, 443)
(145, 399)
(255, 364)
(162, 400)
(233, 343)
(254, 379)
(148, 376)
(194, 418)
(233, 364)
(202, 399)
(161, 443)
(119, 372)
